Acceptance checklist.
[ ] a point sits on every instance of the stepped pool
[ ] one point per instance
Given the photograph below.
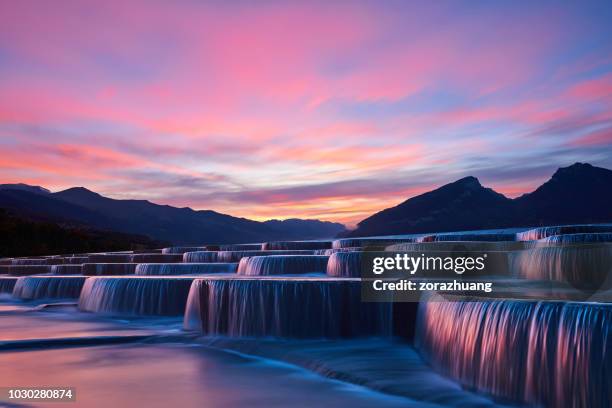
(284, 324)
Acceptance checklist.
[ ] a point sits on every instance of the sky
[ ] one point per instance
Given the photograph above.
(279, 109)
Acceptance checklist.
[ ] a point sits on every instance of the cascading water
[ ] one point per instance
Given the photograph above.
(586, 267)
(287, 307)
(330, 251)
(46, 287)
(288, 245)
(345, 265)
(594, 237)
(282, 265)
(156, 258)
(36, 261)
(181, 250)
(109, 258)
(66, 269)
(370, 242)
(491, 237)
(77, 260)
(185, 268)
(142, 295)
(7, 283)
(541, 353)
(457, 246)
(240, 247)
(21, 270)
(236, 256)
(543, 232)
(200, 257)
(99, 269)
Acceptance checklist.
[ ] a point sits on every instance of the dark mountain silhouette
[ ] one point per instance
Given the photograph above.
(24, 237)
(580, 193)
(82, 207)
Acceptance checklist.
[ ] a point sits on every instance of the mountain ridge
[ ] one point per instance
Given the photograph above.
(82, 207)
(580, 193)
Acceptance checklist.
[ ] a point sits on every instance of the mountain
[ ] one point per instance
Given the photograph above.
(82, 207)
(25, 237)
(25, 187)
(580, 193)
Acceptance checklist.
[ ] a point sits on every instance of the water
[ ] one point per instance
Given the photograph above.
(66, 269)
(98, 269)
(282, 265)
(21, 270)
(482, 236)
(578, 238)
(156, 258)
(287, 307)
(587, 267)
(551, 353)
(369, 241)
(287, 245)
(181, 250)
(236, 256)
(110, 258)
(543, 232)
(200, 256)
(7, 283)
(36, 261)
(345, 265)
(185, 268)
(457, 246)
(142, 295)
(240, 247)
(330, 251)
(48, 287)
(162, 375)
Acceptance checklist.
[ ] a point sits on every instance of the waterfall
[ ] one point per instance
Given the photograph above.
(541, 353)
(330, 251)
(345, 265)
(181, 250)
(370, 241)
(93, 269)
(497, 236)
(235, 256)
(240, 247)
(36, 261)
(543, 232)
(7, 283)
(282, 265)
(45, 287)
(76, 260)
(593, 237)
(587, 267)
(457, 246)
(288, 245)
(288, 307)
(140, 295)
(200, 257)
(185, 268)
(21, 270)
(110, 258)
(67, 269)
(156, 258)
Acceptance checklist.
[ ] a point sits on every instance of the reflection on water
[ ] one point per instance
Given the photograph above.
(163, 371)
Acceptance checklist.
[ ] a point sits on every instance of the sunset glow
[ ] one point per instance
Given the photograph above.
(314, 110)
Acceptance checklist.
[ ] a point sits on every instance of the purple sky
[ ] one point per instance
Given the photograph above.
(300, 109)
